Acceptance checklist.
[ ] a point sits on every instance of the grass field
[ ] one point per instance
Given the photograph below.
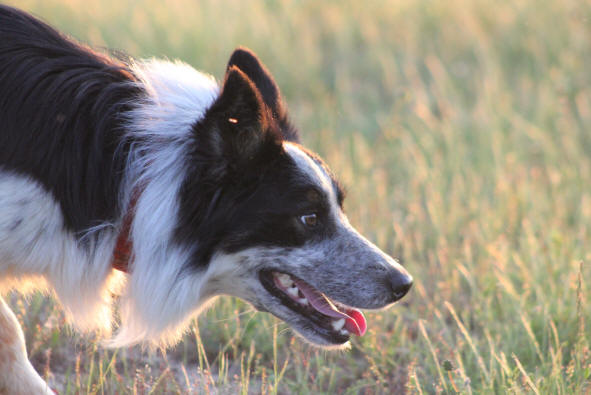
(462, 130)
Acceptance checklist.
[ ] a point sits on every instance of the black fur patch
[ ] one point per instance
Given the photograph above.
(61, 109)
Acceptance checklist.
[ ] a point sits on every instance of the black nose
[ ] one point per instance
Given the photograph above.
(400, 283)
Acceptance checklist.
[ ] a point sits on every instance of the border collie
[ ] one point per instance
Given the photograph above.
(148, 181)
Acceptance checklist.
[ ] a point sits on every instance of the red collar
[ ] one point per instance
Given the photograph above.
(122, 252)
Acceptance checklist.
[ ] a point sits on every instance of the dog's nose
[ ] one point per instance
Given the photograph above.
(400, 283)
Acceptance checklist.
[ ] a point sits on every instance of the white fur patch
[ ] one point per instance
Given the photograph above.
(178, 96)
(314, 172)
(35, 249)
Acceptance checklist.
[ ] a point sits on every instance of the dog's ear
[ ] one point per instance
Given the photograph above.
(249, 63)
(238, 126)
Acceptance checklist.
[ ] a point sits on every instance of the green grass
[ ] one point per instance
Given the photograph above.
(462, 130)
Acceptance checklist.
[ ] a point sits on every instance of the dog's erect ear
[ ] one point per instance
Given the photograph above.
(241, 122)
(249, 63)
(241, 101)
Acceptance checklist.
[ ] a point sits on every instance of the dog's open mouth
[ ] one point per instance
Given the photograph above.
(329, 319)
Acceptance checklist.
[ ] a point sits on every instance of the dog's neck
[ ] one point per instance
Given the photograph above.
(122, 252)
(177, 97)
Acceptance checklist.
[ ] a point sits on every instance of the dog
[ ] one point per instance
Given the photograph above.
(144, 183)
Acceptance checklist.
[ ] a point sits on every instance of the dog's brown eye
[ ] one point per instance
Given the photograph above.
(309, 220)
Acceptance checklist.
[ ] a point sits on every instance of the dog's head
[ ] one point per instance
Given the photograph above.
(265, 217)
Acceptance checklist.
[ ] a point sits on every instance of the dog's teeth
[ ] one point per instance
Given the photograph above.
(303, 301)
(338, 324)
(285, 280)
(344, 332)
(293, 291)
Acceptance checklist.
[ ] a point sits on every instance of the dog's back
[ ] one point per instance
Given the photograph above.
(57, 99)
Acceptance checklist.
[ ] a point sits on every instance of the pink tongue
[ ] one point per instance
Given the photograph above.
(354, 319)
(356, 322)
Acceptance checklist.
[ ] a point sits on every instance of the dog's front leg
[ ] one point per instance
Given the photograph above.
(17, 375)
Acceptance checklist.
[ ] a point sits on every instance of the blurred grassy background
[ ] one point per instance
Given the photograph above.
(461, 129)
